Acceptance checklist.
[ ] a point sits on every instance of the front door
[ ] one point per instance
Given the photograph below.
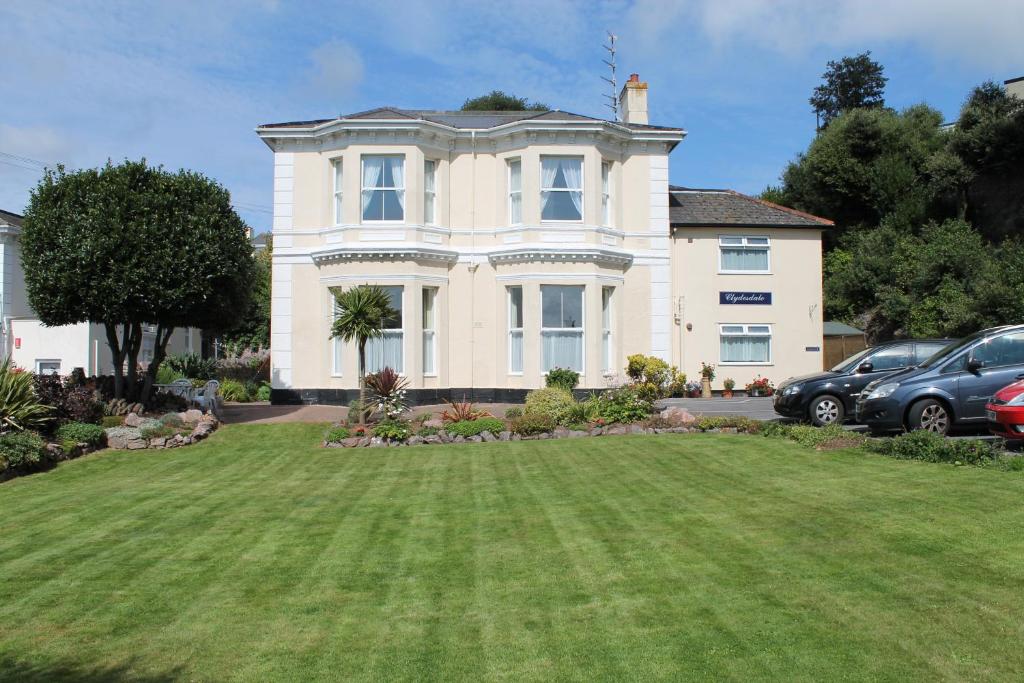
(1002, 361)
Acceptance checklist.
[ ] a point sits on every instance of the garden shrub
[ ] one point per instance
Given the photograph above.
(69, 401)
(233, 390)
(776, 430)
(21, 450)
(337, 433)
(553, 402)
(513, 412)
(165, 374)
(20, 407)
(82, 432)
(108, 421)
(930, 447)
(476, 427)
(157, 431)
(653, 378)
(387, 391)
(575, 414)
(625, 404)
(813, 437)
(562, 377)
(250, 366)
(460, 411)
(428, 431)
(171, 420)
(263, 393)
(193, 366)
(395, 430)
(529, 424)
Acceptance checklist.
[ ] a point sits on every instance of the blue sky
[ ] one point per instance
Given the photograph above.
(184, 83)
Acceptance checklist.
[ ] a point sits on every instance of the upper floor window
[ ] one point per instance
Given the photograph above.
(739, 254)
(384, 188)
(515, 192)
(337, 192)
(429, 191)
(606, 192)
(561, 188)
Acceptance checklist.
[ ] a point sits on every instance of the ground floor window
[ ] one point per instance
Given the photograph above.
(745, 343)
(562, 327)
(515, 330)
(47, 367)
(429, 331)
(607, 364)
(387, 351)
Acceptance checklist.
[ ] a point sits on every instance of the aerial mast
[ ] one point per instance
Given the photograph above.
(613, 99)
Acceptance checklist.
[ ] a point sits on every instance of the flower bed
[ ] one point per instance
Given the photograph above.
(170, 431)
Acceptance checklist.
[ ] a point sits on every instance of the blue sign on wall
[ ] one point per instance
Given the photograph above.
(750, 298)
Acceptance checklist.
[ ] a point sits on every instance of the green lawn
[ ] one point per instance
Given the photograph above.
(259, 556)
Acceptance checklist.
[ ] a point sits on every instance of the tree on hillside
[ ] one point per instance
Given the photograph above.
(851, 83)
(129, 245)
(496, 100)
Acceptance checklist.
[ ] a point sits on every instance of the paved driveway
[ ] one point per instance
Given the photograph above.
(755, 408)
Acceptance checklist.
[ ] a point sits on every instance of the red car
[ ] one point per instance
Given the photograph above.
(1005, 412)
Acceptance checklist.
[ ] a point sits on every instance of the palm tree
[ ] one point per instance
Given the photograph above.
(361, 312)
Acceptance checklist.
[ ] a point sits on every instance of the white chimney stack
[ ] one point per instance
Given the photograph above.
(633, 100)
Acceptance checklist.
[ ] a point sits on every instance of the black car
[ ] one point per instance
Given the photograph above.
(830, 397)
(948, 390)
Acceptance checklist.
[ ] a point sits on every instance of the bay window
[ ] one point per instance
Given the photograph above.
(387, 351)
(606, 193)
(383, 186)
(429, 191)
(561, 327)
(561, 196)
(515, 192)
(429, 331)
(745, 344)
(740, 254)
(337, 192)
(515, 330)
(607, 361)
(337, 346)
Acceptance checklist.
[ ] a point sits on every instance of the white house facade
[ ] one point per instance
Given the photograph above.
(515, 242)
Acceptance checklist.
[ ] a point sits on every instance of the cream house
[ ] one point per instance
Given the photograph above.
(512, 243)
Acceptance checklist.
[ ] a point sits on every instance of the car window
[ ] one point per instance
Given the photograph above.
(925, 350)
(852, 362)
(892, 358)
(1007, 349)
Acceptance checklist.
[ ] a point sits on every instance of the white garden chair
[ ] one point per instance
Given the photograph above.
(207, 397)
(181, 387)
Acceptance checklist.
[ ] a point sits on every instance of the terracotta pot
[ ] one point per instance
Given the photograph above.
(727, 393)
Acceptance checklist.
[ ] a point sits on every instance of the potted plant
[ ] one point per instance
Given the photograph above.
(760, 387)
(707, 375)
(729, 384)
(693, 389)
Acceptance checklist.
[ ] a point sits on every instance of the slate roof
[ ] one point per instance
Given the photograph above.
(834, 329)
(693, 208)
(10, 218)
(468, 120)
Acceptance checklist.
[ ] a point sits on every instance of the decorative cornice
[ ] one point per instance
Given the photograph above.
(599, 256)
(396, 252)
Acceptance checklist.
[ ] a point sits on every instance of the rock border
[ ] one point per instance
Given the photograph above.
(203, 424)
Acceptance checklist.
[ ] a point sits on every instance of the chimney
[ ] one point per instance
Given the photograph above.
(633, 101)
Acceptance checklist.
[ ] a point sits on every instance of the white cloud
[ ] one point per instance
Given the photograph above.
(337, 68)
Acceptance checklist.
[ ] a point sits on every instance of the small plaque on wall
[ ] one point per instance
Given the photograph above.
(745, 298)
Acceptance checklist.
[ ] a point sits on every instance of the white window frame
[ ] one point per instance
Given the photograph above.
(514, 193)
(607, 325)
(431, 331)
(582, 329)
(430, 195)
(729, 241)
(606, 193)
(395, 331)
(337, 345)
(362, 190)
(581, 190)
(48, 361)
(338, 172)
(513, 330)
(746, 332)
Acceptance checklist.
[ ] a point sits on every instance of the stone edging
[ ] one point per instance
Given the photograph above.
(129, 437)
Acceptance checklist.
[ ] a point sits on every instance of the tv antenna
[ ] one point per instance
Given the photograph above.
(613, 99)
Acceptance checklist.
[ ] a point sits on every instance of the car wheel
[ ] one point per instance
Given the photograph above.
(929, 415)
(826, 410)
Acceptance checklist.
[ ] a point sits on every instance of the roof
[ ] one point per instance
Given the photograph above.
(1013, 80)
(834, 329)
(697, 208)
(466, 120)
(10, 218)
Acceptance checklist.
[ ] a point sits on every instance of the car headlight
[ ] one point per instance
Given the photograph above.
(883, 390)
(795, 389)
(1017, 400)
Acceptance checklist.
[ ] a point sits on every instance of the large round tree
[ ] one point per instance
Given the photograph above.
(130, 245)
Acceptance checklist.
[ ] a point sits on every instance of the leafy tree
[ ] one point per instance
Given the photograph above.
(496, 100)
(130, 245)
(361, 314)
(253, 331)
(851, 83)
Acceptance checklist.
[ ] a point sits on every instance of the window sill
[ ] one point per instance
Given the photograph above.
(745, 272)
(515, 374)
(752, 364)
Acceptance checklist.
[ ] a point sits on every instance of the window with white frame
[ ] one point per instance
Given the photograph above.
(387, 351)
(607, 360)
(561, 188)
(515, 330)
(383, 192)
(742, 254)
(561, 327)
(515, 192)
(745, 344)
(337, 192)
(606, 193)
(429, 331)
(47, 367)
(429, 191)
(337, 344)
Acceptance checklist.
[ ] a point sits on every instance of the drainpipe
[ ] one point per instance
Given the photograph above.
(472, 268)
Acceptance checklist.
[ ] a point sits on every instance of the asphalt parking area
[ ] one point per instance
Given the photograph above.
(755, 408)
